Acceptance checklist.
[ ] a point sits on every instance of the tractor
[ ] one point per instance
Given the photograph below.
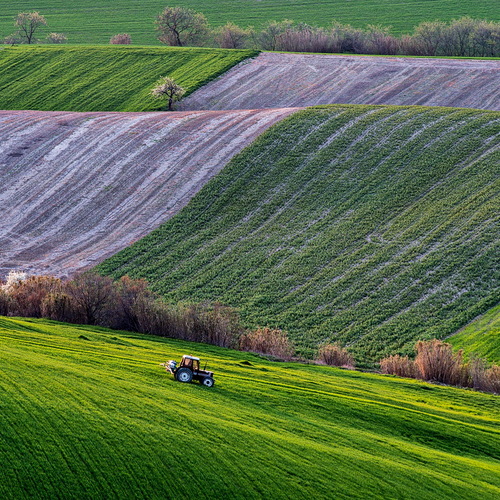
(189, 370)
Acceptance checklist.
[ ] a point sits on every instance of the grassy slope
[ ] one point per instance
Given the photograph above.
(107, 78)
(481, 337)
(372, 225)
(88, 413)
(92, 21)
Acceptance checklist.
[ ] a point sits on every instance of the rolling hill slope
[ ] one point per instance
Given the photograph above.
(370, 225)
(278, 80)
(481, 337)
(77, 187)
(92, 21)
(88, 413)
(112, 78)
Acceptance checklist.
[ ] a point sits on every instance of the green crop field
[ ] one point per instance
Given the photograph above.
(481, 337)
(109, 78)
(92, 21)
(369, 225)
(89, 413)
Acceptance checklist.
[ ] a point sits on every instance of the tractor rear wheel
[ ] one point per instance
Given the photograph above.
(184, 375)
(208, 381)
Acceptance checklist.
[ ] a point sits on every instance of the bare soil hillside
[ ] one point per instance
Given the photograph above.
(279, 80)
(78, 187)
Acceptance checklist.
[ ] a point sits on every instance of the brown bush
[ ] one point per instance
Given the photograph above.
(4, 303)
(93, 296)
(437, 362)
(59, 306)
(268, 341)
(402, 366)
(27, 296)
(335, 355)
(121, 39)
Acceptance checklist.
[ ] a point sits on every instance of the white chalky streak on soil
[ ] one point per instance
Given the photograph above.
(78, 187)
(278, 80)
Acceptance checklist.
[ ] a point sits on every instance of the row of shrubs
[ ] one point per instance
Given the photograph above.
(436, 361)
(128, 304)
(462, 37)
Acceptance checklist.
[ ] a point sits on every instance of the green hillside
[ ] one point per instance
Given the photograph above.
(481, 337)
(369, 225)
(88, 413)
(93, 21)
(106, 78)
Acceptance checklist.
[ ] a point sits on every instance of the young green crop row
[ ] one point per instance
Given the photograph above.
(89, 413)
(110, 78)
(92, 21)
(369, 225)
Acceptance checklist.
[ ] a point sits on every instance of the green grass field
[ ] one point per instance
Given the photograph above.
(106, 78)
(369, 225)
(92, 21)
(481, 337)
(88, 413)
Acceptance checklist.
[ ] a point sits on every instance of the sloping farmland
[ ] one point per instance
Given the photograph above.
(78, 187)
(277, 80)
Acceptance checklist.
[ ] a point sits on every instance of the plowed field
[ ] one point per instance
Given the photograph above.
(277, 80)
(78, 187)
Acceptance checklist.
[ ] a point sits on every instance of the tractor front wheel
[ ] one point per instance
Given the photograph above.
(208, 382)
(184, 375)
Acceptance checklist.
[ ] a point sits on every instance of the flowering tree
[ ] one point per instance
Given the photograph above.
(27, 23)
(169, 89)
(179, 26)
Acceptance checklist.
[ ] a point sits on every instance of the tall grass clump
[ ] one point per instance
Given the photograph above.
(335, 355)
(273, 342)
(435, 361)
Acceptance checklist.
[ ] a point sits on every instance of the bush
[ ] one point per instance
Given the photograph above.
(121, 39)
(268, 341)
(56, 38)
(27, 295)
(402, 366)
(436, 362)
(335, 355)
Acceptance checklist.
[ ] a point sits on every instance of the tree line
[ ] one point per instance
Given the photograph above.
(182, 27)
(179, 26)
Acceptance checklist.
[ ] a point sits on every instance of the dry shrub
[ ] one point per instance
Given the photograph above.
(27, 295)
(121, 39)
(268, 341)
(59, 307)
(335, 355)
(484, 378)
(4, 303)
(402, 366)
(437, 362)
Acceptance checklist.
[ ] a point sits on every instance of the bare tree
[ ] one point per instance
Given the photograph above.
(169, 89)
(27, 23)
(179, 26)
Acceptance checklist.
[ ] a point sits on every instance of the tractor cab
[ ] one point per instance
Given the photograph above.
(190, 362)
